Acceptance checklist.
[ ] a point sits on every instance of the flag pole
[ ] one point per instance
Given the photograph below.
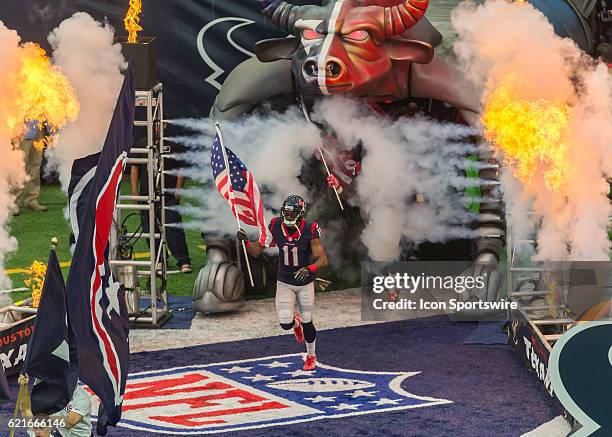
(54, 243)
(329, 174)
(16, 412)
(231, 195)
(303, 107)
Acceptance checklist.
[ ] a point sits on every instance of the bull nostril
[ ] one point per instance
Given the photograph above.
(333, 68)
(311, 69)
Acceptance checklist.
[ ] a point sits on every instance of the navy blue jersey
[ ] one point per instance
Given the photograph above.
(294, 250)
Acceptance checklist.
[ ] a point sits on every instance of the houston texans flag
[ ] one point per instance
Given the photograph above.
(96, 306)
(239, 189)
(51, 356)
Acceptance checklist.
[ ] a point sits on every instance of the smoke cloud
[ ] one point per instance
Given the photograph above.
(403, 159)
(12, 172)
(84, 49)
(502, 42)
(273, 148)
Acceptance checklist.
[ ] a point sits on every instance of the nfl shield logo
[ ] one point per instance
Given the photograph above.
(258, 393)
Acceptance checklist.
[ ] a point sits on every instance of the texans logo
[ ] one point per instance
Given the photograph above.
(217, 71)
(258, 393)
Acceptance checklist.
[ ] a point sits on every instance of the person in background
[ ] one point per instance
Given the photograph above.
(28, 196)
(75, 418)
(173, 184)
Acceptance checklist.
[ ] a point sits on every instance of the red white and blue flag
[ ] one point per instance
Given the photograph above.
(238, 188)
(96, 305)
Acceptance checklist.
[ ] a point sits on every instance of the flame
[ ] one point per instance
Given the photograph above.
(35, 283)
(531, 134)
(132, 20)
(43, 94)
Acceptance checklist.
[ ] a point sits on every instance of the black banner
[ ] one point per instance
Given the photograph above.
(14, 345)
(198, 41)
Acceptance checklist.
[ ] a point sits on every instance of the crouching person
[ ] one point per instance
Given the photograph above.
(72, 421)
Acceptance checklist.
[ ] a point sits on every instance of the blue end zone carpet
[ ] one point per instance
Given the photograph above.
(180, 307)
(488, 333)
(182, 313)
(364, 387)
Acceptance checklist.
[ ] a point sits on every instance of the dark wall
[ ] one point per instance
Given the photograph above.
(176, 24)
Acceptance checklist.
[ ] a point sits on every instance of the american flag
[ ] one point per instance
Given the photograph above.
(239, 190)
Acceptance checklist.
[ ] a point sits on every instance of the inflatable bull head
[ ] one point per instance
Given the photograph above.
(355, 47)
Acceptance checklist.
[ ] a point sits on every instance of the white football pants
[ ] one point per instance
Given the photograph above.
(286, 295)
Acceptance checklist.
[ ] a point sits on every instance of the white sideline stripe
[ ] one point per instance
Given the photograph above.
(14, 290)
(558, 427)
(331, 33)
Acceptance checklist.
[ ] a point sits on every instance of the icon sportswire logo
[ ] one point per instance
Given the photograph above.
(259, 393)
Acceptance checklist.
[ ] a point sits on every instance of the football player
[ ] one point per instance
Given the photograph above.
(301, 254)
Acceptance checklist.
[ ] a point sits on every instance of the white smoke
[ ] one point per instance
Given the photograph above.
(592, 158)
(84, 49)
(404, 158)
(273, 149)
(12, 171)
(502, 38)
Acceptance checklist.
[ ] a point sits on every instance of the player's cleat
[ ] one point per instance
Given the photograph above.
(311, 363)
(298, 331)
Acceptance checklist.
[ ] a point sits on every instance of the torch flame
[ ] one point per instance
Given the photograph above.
(36, 281)
(132, 20)
(532, 134)
(44, 94)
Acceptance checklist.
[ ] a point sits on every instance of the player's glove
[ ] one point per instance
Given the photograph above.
(333, 182)
(241, 235)
(302, 274)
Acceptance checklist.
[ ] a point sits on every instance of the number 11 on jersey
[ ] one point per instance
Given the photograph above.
(294, 255)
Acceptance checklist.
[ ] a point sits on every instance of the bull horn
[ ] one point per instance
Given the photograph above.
(402, 17)
(281, 13)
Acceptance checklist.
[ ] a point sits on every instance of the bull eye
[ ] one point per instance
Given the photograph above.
(310, 34)
(357, 35)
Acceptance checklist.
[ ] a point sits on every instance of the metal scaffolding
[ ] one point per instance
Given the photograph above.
(540, 309)
(156, 313)
(542, 306)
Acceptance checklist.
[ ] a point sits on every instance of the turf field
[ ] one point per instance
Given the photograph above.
(34, 231)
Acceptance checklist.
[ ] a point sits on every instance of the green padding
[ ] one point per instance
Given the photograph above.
(473, 192)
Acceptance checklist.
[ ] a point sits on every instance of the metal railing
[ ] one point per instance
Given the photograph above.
(156, 313)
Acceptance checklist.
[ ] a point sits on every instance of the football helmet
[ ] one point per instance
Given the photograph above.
(293, 210)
